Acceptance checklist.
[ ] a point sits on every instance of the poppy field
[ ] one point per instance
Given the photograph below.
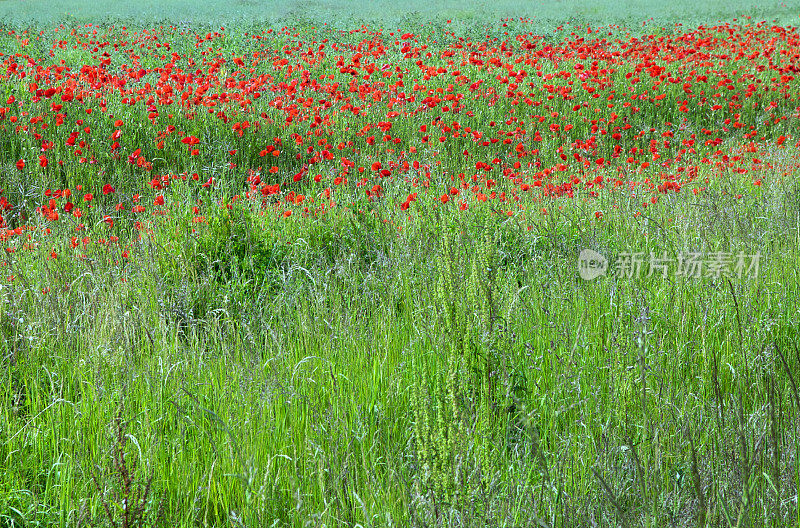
(301, 275)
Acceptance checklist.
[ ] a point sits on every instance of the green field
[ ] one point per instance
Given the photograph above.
(546, 13)
(322, 267)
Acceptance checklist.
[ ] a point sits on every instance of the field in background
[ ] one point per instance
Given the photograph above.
(297, 275)
(546, 14)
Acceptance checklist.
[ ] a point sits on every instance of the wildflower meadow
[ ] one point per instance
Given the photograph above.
(447, 267)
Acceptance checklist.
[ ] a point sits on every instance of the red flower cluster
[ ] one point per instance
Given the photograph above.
(512, 119)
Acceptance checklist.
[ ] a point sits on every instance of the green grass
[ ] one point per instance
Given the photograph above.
(299, 401)
(546, 13)
(374, 367)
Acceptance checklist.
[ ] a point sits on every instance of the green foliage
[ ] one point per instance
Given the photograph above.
(548, 13)
(370, 366)
(454, 369)
(460, 411)
(236, 245)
